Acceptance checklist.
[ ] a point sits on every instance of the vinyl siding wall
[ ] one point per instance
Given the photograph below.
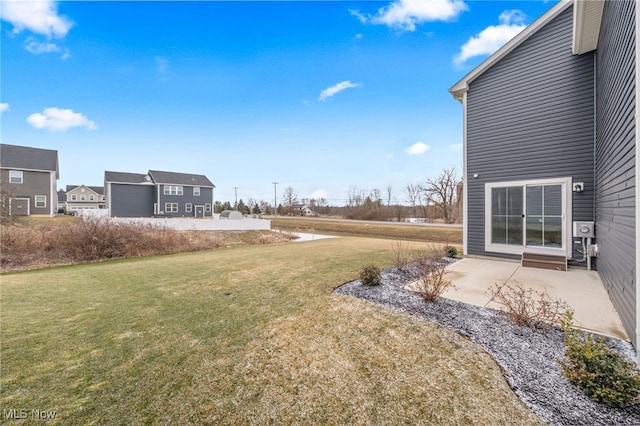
(615, 159)
(531, 116)
(131, 200)
(205, 197)
(33, 183)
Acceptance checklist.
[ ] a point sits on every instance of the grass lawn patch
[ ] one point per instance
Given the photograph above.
(239, 335)
(422, 233)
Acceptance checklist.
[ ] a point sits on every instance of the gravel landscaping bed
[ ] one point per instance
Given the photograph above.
(528, 358)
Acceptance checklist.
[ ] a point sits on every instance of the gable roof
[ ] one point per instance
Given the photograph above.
(27, 158)
(161, 177)
(123, 177)
(96, 189)
(62, 196)
(458, 89)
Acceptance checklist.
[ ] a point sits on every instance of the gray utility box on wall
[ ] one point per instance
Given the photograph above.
(583, 229)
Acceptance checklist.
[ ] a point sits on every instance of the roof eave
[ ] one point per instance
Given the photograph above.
(458, 89)
(587, 17)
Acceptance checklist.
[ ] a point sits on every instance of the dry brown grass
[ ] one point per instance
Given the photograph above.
(247, 335)
(33, 243)
(374, 366)
(438, 234)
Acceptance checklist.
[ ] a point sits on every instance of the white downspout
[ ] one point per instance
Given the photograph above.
(465, 178)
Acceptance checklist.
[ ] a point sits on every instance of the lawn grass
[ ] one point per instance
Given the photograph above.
(242, 335)
(422, 233)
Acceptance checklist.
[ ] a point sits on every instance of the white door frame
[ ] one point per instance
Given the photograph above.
(565, 250)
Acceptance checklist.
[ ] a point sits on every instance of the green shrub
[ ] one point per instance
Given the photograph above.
(370, 275)
(451, 251)
(604, 375)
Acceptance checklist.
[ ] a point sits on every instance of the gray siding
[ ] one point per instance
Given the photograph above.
(33, 183)
(131, 200)
(615, 159)
(531, 116)
(205, 197)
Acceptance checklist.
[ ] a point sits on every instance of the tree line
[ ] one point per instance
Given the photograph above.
(439, 198)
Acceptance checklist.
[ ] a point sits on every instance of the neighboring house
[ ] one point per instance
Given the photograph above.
(550, 138)
(82, 197)
(306, 211)
(158, 193)
(28, 177)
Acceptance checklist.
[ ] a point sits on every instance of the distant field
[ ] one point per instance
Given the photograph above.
(422, 233)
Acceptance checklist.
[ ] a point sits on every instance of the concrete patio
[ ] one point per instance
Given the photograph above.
(582, 290)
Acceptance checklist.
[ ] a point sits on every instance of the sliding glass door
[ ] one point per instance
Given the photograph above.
(544, 216)
(528, 214)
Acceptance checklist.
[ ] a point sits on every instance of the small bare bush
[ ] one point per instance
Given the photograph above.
(432, 282)
(401, 254)
(528, 307)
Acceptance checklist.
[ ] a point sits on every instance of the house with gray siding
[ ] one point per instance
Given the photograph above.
(158, 193)
(28, 177)
(550, 147)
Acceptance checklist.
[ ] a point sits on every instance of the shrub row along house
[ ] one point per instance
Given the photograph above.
(158, 193)
(550, 128)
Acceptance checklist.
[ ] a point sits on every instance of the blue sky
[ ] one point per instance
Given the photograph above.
(320, 96)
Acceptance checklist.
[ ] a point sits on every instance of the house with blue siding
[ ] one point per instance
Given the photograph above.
(551, 147)
(158, 193)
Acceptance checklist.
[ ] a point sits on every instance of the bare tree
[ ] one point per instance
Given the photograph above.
(442, 192)
(389, 190)
(355, 198)
(290, 199)
(412, 195)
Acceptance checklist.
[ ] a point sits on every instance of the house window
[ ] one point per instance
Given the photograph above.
(172, 190)
(171, 207)
(15, 176)
(92, 197)
(188, 208)
(74, 197)
(83, 197)
(196, 191)
(533, 215)
(41, 201)
(207, 208)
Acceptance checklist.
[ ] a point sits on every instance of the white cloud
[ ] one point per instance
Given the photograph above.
(456, 146)
(38, 48)
(319, 193)
(4, 107)
(57, 119)
(417, 148)
(493, 37)
(40, 17)
(330, 91)
(405, 14)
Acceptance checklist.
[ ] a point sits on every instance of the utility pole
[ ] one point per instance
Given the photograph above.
(236, 189)
(275, 199)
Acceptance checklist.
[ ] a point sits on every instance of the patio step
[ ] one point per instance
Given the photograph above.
(544, 261)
